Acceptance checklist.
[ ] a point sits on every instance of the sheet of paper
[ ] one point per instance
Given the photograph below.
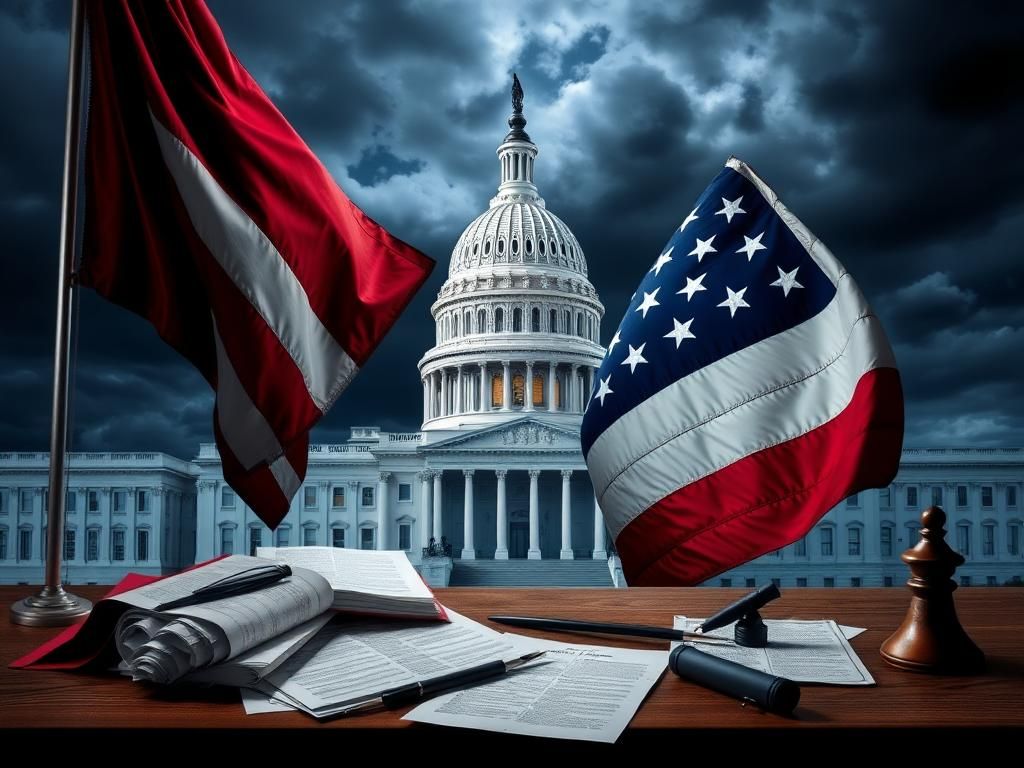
(850, 632)
(582, 692)
(352, 660)
(257, 703)
(355, 570)
(803, 651)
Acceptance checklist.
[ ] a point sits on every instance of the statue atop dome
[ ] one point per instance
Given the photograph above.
(516, 121)
(517, 95)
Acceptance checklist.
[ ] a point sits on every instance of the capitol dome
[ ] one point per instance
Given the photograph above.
(518, 324)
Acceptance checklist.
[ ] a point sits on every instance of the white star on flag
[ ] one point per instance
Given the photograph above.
(603, 390)
(752, 246)
(650, 300)
(703, 247)
(787, 280)
(615, 340)
(692, 286)
(734, 301)
(692, 217)
(634, 358)
(680, 331)
(664, 259)
(731, 208)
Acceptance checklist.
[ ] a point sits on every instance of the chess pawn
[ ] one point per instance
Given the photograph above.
(930, 639)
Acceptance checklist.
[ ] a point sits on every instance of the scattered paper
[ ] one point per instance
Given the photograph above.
(257, 703)
(582, 692)
(803, 651)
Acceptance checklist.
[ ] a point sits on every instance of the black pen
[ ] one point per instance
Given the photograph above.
(608, 628)
(407, 694)
(239, 583)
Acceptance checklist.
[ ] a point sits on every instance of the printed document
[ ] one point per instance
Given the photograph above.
(582, 692)
(803, 651)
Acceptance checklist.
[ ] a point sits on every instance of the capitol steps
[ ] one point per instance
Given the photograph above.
(530, 573)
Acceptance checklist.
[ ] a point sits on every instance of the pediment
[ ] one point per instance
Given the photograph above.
(523, 435)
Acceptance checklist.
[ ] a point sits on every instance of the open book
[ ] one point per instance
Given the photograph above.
(376, 583)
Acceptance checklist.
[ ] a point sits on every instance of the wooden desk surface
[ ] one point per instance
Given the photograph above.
(994, 617)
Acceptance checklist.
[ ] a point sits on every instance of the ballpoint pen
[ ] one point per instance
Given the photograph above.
(407, 694)
(572, 625)
(248, 580)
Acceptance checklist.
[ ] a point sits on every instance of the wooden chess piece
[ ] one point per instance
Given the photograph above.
(930, 639)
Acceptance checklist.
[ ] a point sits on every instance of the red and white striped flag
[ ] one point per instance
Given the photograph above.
(209, 216)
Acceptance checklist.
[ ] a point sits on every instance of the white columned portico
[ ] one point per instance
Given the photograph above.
(600, 553)
(501, 552)
(425, 510)
(468, 550)
(483, 387)
(528, 388)
(382, 510)
(566, 553)
(506, 386)
(534, 551)
(552, 401)
(437, 505)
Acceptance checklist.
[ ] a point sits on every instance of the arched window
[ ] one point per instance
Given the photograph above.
(447, 328)
(497, 391)
(552, 321)
(529, 247)
(517, 319)
(468, 322)
(579, 325)
(517, 389)
(535, 320)
(455, 326)
(481, 321)
(540, 244)
(499, 320)
(515, 246)
(538, 389)
(501, 247)
(567, 322)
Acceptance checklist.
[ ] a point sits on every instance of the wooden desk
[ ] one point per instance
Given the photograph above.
(677, 712)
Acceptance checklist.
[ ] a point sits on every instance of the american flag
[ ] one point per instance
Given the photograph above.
(748, 389)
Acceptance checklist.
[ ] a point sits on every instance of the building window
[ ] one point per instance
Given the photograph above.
(517, 317)
(227, 497)
(404, 537)
(120, 501)
(963, 539)
(887, 581)
(990, 581)
(853, 501)
(961, 495)
(826, 542)
(988, 539)
(1013, 538)
(366, 538)
(481, 321)
(283, 535)
(538, 389)
(936, 495)
(117, 544)
(255, 540)
(552, 321)
(405, 491)
(94, 501)
(1011, 496)
(142, 502)
(142, 544)
(853, 541)
(913, 534)
(26, 501)
(518, 383)
(912, 497)
(338, 537)
(986, 495)
(499, 320)
(71, 502)
(69, 543)
(855, 581)
(829, 581)
(3, 544)
(25, 544)
(309, 493)
(2, 495)
(886, 540)
(751, 583)
(885, 498)
(800, 547)
(725, 582)
(497, 391)
(801, 581)
(567, 322)
(368, 496)
(965, 581)
(92, 544)
(338, 496)
(535, 320)
(227, 540)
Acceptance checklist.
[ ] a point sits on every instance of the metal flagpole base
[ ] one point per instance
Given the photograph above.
(52, 607)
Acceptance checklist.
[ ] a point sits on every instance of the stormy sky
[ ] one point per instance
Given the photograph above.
(893, 130)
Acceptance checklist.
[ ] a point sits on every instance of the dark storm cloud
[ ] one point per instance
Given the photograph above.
(891, 129)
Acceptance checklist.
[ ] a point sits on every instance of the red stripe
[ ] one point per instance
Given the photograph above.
(771, 498)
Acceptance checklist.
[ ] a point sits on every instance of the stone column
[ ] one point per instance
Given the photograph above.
(501, 553)
(425, 510)
(383, 524)
(599, 545)
(158, 550)
(426, 414)
(528, 393)
(566, 553)
(437, 505)
(206, 520)
(459, 393)
(534, 551)
(106, 532)
(484, 406)
(444, 393)
(324, 490)
(506, 386)
(468, 550)
(552, 403)
(574, 390)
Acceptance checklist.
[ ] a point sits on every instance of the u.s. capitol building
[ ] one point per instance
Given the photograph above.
(495, 470)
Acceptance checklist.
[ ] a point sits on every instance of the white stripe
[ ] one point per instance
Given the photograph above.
(245, 430)
(260, 273)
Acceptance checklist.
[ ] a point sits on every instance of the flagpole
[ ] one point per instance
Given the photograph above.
(53, 606)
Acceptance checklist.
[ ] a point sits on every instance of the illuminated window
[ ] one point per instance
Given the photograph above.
(497, 390)
(538, 389)
(518, 383)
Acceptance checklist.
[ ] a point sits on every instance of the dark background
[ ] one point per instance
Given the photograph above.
(893, 130)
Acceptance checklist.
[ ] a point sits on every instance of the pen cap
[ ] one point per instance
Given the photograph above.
(770, 693)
